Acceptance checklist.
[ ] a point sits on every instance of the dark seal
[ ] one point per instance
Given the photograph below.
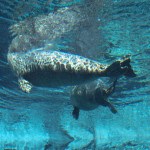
(90, 96)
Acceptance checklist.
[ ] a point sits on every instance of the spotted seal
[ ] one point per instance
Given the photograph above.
(90, 96)
(53, 68)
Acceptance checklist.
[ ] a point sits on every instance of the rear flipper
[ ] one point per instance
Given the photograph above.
(75, 112)
(111, 107)
(120, 68)
(129, 72)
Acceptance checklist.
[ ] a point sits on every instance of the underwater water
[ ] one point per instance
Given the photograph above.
(42, 119)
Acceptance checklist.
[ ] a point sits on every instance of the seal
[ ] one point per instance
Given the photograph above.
(46, 68)
(91, 95)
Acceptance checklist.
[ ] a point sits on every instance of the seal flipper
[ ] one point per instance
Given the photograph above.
(75, 112)
(25, 85)
(129, 72)
(119, 68)
(115, 69)
(111, 107)
(111, 89)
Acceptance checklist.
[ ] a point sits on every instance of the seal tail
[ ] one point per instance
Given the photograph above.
(129, 71)
(119, 68)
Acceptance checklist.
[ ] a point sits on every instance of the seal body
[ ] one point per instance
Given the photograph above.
(90, 96)
(52, 68)
(85, 96)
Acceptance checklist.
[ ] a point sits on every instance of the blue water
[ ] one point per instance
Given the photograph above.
(42, 120)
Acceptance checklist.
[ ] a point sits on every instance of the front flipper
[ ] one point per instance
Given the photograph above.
(24, 85)
(111, 107)
(75, 112)
(111, 89)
